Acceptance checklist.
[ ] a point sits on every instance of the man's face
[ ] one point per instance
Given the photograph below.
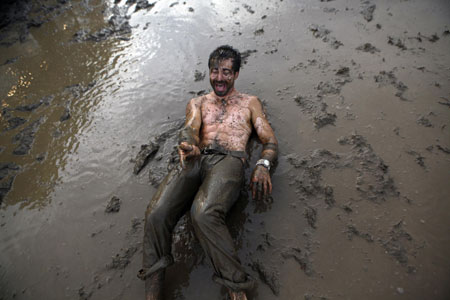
(222, 76)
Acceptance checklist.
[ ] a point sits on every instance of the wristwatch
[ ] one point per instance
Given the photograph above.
(264, 162)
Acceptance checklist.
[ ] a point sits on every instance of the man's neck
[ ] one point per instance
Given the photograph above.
(233, 92)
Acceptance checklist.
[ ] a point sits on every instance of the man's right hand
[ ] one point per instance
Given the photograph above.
(187, 151)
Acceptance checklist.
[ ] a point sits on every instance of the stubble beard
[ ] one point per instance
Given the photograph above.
(228, 88)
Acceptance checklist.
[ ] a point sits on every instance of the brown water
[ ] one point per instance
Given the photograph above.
(341, 225)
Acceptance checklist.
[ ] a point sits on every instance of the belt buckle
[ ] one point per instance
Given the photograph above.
(207, 151)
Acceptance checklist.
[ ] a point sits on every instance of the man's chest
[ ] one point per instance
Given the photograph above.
(225, 113)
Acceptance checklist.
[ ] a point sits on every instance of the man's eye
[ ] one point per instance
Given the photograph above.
(227, 73)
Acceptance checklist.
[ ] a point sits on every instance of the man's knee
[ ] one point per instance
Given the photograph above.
(154, 218)
(198, 214)
(202, 216)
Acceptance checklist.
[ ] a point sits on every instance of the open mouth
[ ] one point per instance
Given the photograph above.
(220, 87)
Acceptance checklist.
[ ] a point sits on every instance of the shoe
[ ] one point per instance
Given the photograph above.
(237, 295)
(154, 286)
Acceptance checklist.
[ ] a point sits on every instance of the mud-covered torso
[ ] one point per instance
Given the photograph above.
(225, 121)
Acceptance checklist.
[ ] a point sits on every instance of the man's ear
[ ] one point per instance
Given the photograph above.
(236, 75)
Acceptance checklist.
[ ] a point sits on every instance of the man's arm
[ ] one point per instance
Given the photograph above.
(189, 134)
(260, 180)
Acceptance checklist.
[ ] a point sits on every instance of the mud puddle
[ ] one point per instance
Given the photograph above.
(93, 93)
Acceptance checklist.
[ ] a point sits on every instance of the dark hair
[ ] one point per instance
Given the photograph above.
(226, 52)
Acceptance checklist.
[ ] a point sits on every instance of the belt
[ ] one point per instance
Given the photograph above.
(214, 149)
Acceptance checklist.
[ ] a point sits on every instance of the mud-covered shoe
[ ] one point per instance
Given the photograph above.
(237, 295)
(154, 286)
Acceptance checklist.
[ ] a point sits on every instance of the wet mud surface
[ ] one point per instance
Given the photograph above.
(93, 94)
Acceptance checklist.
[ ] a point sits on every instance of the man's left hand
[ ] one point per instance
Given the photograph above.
(260, 183)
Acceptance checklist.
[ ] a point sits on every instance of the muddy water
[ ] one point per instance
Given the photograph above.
(360, 202)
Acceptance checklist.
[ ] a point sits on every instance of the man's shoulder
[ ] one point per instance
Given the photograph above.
(247, 97)
(251, 100)
(198, 100)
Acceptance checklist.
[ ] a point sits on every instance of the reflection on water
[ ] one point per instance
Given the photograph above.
(61, 84)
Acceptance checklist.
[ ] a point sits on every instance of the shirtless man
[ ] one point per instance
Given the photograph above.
(212, 155)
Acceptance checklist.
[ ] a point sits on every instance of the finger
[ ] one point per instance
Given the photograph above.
(254, 187)
(270, 185)
(182, 161)
(185, 146)
(260, 191)
(265, 188)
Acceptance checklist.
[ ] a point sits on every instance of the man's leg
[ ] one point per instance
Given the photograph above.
(217, 194)
(169, 203)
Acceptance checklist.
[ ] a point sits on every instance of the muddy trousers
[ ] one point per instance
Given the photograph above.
(208, 186)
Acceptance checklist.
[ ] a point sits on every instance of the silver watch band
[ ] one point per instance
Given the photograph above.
(264, 162)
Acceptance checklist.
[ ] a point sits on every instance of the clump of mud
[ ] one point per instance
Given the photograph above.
(17, 17)
(367, 10)
(368, 47)
(121, 260)
(301, 257)
(316, 107)
(353, 231)
(267, 276)
(113, 205)
(388, 78)
(324, 34)
(163, 145)
(398, 244)
(25, 138)
(118, 25)
(8, 172)
(395, 41)
(143, 157)
(246, 54)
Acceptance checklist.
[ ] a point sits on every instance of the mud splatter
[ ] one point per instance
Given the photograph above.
(121, 260)
(144, 155)
(352, 231)
(248, 8)
(367, 10)
(388, 78)
(310, 214)
(399, 43)
(443, 149)
(17, 17)
(398, 243)
(267, 276)
(25, 138)
(322, 119)
(246, 54)
(323, 33)
(420, 160)
(301, 257)
(113, 205)
(368, 47)
(118, 25)
(422, 120)
(199, 76)
(8, 172)
(15, 122)
(259, 32)
(161, 146)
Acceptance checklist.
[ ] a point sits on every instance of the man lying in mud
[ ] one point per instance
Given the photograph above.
(212, 150)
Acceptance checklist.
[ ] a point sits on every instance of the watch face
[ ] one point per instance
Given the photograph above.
(264, 162)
